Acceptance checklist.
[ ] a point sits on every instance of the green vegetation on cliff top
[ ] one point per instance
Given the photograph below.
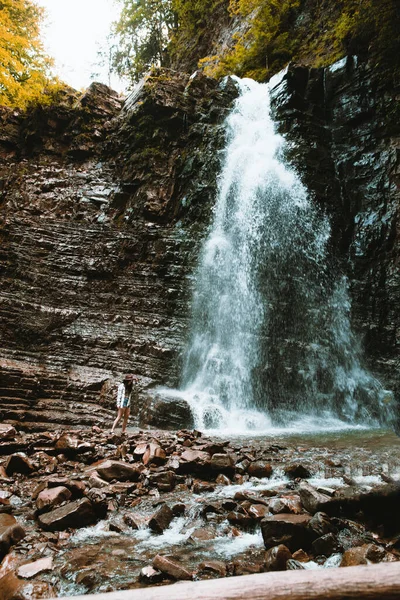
(255, 38)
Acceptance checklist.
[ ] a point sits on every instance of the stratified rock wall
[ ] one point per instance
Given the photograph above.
(343, 123)
(96, 242)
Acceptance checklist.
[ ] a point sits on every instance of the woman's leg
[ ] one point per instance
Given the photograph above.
(117, 420)
(126, 417)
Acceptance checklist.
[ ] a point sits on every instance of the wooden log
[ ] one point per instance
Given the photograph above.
(372, 582)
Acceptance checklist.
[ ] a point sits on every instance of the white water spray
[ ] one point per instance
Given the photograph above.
(270, 340)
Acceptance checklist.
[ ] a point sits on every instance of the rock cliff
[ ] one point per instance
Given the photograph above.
(103, 206)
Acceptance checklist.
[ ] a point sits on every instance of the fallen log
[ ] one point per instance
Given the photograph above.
(372, 582)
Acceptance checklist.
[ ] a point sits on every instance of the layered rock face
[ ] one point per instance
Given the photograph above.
(94, 244)
(343, 123)
(103, 208)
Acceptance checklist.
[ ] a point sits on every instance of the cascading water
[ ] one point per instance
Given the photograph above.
(270, 335)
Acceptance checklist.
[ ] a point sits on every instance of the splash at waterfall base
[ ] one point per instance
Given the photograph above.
(86, 511)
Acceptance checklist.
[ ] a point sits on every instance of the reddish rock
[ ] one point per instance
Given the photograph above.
(258, 511)
(29, 570)
(18, 463)
(259, 468)
(277, 557)
(161, 519)
(52, 497)
(171, 567)
(212, 568)
(202, 488)
(195, 457)
(95, 481)
(114, 469)
(154, 455)
(203, 534)
(74, 514)
(164, 481)
(321, 524)
(312, 500)
(223, 462)
(297, 470)
(290, 530)
(301, 556)
(240, 520)
(326, 545)
(11, 532)
(131, 520)
(67, 443)
(278, 505)
(363, 555)
(223, 480)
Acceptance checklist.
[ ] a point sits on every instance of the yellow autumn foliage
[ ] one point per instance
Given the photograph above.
(24, 66)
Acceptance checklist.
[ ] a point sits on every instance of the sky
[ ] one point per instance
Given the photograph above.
(73, 32)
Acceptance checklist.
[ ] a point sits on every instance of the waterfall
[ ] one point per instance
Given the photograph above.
(270, 338)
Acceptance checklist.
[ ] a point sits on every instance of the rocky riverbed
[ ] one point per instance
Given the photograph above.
(89, 511)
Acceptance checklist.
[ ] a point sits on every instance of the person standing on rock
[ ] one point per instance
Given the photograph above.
(124, 401)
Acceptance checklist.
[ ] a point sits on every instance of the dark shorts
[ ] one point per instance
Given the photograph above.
(126, 402)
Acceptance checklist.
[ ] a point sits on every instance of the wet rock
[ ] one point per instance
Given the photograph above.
(312, 500)
(290, 530)
(13, 588)
(178, 509)
(11, 532)
(95, 481)
(195, 457)
(166, 413)
(212, 568)
(113, 469)
(239, 519)
(258, 511)
(297, 470)
(74, 514)
(223, 463)
(363, 555)
(203, 534)
(131, 520)
(242, 466)
(154, 455)
(301, 556)
(171, 568)
(52, 497)
(202, 488)
(276, 558)
(321, 524)
(161, 519)
(7, 432)
(164, 481)
(29, 570)
(18, 463)
(259, 468)
(278, 505)
(150, 575)
(68, 444)
(326, 545)
(223, 480)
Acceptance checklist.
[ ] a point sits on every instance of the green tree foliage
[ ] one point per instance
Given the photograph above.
(143, 30)
(24, 66)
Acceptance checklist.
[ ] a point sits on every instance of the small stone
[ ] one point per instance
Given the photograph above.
(321, 524)
(297, 470)
(164, 481)
(223, 480)
(312, 500)
(97, 482)
(223, 462)
(160, 521)
(11, 532)
(18, 463)
(301, 556)
(277, 557)
(240, 520)
(7, 431)
(131, 521)
(363, 555)
(203, 534)
(171, 568)
(326, 545)
(258, 511)
(114, 469)
(260, 469)
(29, 570)
(52, 497)
(278, 505)
(154, 455)
(212, 568)
(150, 575)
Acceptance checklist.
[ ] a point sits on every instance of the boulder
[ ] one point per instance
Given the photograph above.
(312, 500)
(161, 519)
(290, 530)
(18, 463)
(49, 498)
(11, 532)
(114, 469)
(223, 463)
(171, 568)
(277, 557)
(166, 413)
(74, 514)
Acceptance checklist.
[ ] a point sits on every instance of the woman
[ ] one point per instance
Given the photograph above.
(124, 401)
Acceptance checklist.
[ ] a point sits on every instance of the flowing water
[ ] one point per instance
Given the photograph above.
(271, 341)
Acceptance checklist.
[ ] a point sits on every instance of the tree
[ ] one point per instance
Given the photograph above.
(24, 66)
(144, 30)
